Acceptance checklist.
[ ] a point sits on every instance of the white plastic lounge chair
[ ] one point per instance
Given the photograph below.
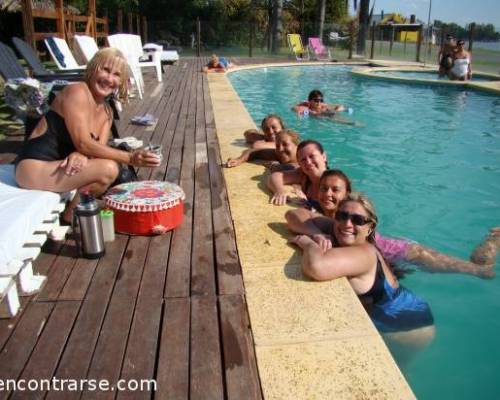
(61, 54)
(27, 217)
(131, 46)
(319, 52)
(334, 36)
(86, 45)
(168, 56)
(300, 52)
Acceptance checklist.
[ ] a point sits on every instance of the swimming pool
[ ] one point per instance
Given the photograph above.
(429, 158)
(428, 75)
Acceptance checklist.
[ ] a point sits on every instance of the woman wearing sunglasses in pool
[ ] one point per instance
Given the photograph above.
(335, 186)
(404, 318)
(315, 106)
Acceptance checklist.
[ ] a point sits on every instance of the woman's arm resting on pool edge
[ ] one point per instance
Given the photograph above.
(306, 222)
(277, 181)
(351, 261)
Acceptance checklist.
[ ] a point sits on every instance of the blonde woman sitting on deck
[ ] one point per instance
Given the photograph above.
(68, 148)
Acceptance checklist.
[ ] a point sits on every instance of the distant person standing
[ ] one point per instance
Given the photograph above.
(461, 69)
(445, 56)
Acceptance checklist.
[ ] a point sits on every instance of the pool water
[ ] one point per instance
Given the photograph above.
(429, 158)
(430, 76)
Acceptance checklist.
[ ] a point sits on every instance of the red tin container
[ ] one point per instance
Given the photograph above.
(146, 207)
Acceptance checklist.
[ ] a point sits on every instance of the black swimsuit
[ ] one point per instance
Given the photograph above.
(55, 144)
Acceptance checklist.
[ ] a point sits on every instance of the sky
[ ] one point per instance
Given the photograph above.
(461, 12)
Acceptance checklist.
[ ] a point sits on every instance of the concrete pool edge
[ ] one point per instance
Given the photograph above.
(312, 340)
(374, 73)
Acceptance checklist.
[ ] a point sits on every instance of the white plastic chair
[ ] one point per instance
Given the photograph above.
(170, 56)
(131, 46)
(61, 54)
(87, 46)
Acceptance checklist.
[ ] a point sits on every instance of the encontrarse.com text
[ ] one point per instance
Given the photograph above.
(76, 385)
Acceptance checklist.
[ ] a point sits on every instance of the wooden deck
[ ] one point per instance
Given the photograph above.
(169, 308)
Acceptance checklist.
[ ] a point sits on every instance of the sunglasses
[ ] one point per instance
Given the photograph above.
(356, 219)
(318, 100)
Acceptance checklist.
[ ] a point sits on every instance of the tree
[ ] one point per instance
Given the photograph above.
(321, 17)
(364, 7)
(276, 25)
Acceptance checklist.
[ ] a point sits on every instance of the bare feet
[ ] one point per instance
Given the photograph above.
(485, 254)
(485, 271)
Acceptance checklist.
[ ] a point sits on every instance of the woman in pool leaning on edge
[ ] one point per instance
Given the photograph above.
(336, 186)
(396, 311)
(281, 158)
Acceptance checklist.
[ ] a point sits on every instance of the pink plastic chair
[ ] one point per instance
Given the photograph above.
(319, 52)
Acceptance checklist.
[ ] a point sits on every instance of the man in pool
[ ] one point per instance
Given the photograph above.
(445, 56)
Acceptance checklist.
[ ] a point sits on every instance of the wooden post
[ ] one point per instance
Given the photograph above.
(472, 26)
(28, 26)
(252, 37)
(198, 37)
(144, 29)
(392, 39)
(372, 50)
(119, 20)
(92, 17)
(351, 39)
(419, 42)
(138, 24)
(60, 19)
(130, 23)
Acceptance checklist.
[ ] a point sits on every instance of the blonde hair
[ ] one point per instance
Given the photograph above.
(291, 134)
(365, 202)
(102, 57)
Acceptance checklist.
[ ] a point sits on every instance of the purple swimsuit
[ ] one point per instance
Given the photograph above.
(393, 249)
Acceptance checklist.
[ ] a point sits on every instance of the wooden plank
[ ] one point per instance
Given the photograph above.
(59, 272)
(110, 348)
(78, 353)
(173, 361)
(140, 357)
(240, 366)
(206, 380)
(228, 267)
(45, 260)
(179, 267)
(43, 361)
(8, 325)
(16, 352)
(202, 262)
(79, 280)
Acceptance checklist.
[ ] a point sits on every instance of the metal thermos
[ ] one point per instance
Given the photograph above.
(90, 238)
